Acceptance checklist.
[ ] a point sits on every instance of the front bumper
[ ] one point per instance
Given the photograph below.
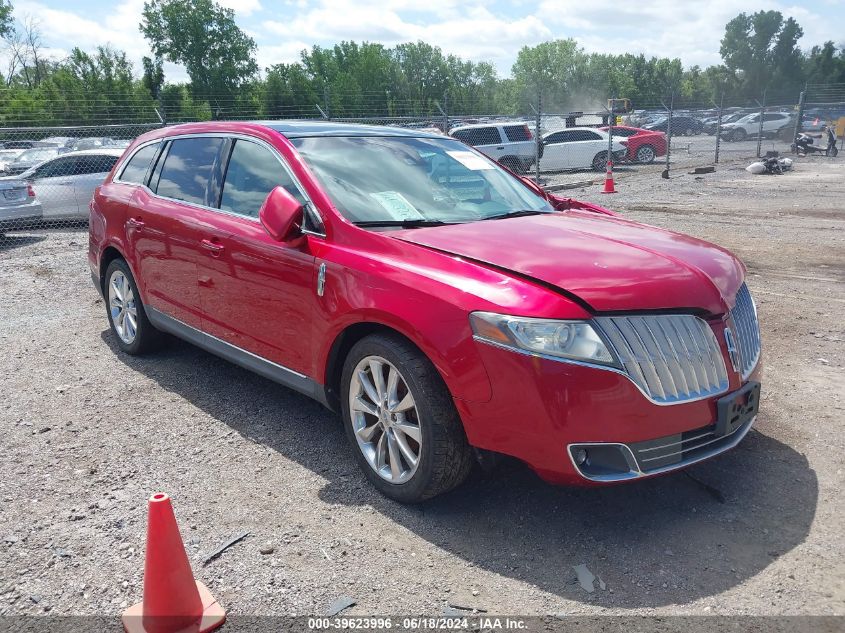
(541, 409)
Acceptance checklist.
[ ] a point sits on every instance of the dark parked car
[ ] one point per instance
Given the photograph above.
(685, 125)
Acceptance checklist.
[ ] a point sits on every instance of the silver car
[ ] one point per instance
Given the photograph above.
(18, 206)
(30, 158)
(61, 188)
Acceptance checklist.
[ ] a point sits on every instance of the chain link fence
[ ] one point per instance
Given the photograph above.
(48, 174)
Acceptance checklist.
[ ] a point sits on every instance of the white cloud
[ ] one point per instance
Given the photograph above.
(663, 28)
(466, 29)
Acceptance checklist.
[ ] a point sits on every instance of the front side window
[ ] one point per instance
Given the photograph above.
(186, 172)
(253, 172)
(135, 170)
(400, 179)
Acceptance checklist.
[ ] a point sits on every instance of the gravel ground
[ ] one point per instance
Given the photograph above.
(90, 433)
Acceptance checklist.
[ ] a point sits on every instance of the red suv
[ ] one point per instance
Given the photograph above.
(447, 309)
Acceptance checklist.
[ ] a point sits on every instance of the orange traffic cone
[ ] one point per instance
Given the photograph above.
(173, 600)
(608, 179)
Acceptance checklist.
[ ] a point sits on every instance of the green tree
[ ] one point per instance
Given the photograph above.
(7, 21)
(153, 78)
(762, 49)
(203, 37)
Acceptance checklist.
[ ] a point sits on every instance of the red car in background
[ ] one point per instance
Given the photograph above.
(445, 308)
(643, 145)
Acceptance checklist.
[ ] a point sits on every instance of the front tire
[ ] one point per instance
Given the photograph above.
(133, 332)
(400, 420)
(600, 161)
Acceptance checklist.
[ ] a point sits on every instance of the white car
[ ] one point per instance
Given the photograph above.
(7, 156)
(749, 125)
(579, 148)
(509, 143)
(64, 185)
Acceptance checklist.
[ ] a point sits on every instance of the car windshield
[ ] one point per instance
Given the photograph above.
(396, 180)
(31, 155)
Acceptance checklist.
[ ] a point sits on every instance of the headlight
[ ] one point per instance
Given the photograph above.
(576, 340)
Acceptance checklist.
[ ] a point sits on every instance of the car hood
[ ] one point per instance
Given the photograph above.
(608, 263)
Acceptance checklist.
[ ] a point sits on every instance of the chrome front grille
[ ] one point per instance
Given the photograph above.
(744, 317)
(670, 357)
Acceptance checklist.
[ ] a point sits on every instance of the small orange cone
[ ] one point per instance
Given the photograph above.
(173, 600)
(608, 179)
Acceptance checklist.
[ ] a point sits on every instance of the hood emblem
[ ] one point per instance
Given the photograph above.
(733, 350)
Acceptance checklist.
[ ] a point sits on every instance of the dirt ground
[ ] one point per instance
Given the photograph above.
(89, 433)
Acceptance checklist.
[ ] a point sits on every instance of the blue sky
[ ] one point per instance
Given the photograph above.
(479, 30)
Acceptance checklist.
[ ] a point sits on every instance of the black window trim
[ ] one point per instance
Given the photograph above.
(166, 142)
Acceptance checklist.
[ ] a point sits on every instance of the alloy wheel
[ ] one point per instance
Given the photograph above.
(385, 419)
(122, 307)
(645, 154)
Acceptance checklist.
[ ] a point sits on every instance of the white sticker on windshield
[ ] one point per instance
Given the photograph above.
(398, 205)
(470, 160)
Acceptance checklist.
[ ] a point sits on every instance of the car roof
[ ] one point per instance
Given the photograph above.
(472, 126)
(569, 129)
(111, 151)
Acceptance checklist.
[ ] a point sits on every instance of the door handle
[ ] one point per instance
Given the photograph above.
(65, 182)
(212, 247)
(501, 147)
(136, 223)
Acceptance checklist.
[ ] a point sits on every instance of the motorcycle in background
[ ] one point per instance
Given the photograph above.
(804, 144)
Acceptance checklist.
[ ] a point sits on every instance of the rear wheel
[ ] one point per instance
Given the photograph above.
(132, 330)
(645, 154)
(689, 131)
(400, 420)
(513, 163)
(739, 135)
(600, 161)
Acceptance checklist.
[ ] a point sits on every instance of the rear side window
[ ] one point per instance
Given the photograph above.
(253, 172)
(517, 133)
(57, 167)
(186, 172)
(94, 164)
(136, 169)
(479, 136)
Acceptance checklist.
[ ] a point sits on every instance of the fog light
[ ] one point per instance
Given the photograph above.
(580, 456)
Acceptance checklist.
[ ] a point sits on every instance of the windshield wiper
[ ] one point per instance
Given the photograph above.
(405, 224)
(514, 214)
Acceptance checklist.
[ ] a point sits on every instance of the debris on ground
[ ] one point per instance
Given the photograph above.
(587, 579)
(342, 603)
(224, 547)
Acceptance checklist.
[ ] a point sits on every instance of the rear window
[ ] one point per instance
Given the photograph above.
(186, 173)
(136, 169)
(479, 136)
(94, 164)
(517, 133)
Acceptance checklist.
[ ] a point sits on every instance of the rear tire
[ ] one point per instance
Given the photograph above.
(513, 163)
(382, 435)
(739, 135)
(132, 330)
(689, 131)
(645, 154)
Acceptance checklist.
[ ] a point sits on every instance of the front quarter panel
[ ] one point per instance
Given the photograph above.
(426, 296)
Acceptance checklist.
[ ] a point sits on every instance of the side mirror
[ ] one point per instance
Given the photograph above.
(281, 215)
